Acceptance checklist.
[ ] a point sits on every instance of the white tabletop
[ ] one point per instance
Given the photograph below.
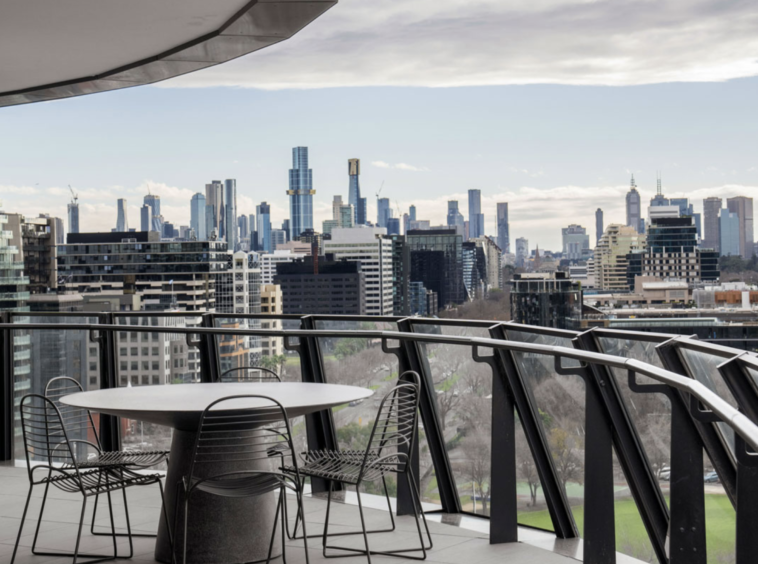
(180, 405)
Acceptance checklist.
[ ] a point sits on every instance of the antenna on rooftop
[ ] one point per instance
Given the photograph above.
(660, 192)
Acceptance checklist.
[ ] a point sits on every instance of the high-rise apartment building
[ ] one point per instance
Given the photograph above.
(230, 213)
(598, 224)
(437, 261)
(729, 233)
(522, 251)
(412, 213)
(122, 222)
(492, 254)
(354, 192)
(503, 232)
(454, 216)
(73, 217)
(268, 262)
(146, 218)
(612, 256)
(633, 216)
(383, 212)
(475, 215)
(197, 216)
(214, 201)
(743, 207)
(576, 243)
(711, 223)
(301, 193)
(393, 226)
(34, 239)
(263, 213)
(154, 201)
(368, 246)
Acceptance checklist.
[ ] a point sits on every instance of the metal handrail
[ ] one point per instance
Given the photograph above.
(740, 423)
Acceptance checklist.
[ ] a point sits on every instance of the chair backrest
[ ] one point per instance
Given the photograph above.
(45, 438)
(78, 421)
(249, 374)
(239, 436)
(397, 419)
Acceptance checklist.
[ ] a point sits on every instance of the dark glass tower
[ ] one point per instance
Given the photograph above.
(354, 192)
(301, 193)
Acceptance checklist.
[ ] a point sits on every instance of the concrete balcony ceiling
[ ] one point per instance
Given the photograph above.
(53, 50)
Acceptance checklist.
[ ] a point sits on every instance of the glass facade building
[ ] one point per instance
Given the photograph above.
(73, 217)
(230, 213)
(263, 211)
(122, 222)
(354, 192)
(503, 230)
(437, 261)
(633, 216)
(301, 193)
(475, 215)
(198, 217)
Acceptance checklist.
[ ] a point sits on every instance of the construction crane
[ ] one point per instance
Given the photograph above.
(148, 190)
(380, 190)
(75, 196)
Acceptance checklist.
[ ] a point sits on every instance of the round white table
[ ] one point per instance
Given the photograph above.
(220, 530)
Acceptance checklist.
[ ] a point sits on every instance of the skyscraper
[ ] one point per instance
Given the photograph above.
(412, 213)
(214, 199)
(122, 223)
(384, 212)
(475, 215)
(598, 224)
(576, 242)
(503, 234)
(154, 201)
(522, 251)
(230, 213)
(354, 192)
(454, 216)
(73, 217)
(633, 206)
(197, 216)
(729, 233)
(146, 218)
(301, 193)
(743, 207)
(263, 213)
(711, 223)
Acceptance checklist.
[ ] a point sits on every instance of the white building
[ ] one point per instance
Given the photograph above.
(268, 262)
(367, 246)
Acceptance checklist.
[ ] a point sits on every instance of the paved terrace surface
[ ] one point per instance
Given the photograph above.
(463, 540)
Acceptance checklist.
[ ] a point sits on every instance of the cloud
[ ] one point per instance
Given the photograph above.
(399, 166)
(491, 42)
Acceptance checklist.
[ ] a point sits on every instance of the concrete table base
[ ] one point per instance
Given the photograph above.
(221, 530)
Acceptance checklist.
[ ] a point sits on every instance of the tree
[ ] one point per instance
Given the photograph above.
(476, 467)
(526, 469)
(564, 448)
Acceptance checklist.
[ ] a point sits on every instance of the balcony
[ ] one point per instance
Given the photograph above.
(535, 445)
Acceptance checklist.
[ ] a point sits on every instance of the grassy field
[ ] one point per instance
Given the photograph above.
(632, 539)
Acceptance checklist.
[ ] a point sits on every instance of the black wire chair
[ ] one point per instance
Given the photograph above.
(79, 420)
(51, 453)
(245, 438)
(391, 440)
(264, 375)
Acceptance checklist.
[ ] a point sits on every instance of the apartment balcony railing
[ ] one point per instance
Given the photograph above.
(604, 434)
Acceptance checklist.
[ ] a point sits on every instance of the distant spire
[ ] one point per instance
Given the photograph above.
(633, 185)
(660, 190)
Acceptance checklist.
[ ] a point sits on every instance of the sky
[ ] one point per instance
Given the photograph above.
(548, 105)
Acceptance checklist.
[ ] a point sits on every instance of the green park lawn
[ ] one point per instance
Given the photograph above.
(631, 537)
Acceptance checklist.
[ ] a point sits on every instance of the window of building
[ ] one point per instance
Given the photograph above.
(93, 366)
(135, 365)
(123, 365)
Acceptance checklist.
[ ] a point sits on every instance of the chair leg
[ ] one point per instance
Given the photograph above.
(284, 527)
(39, 519)
(363, 523)
(273, 533)
(79, 533)
(301, 512)
(21, 526)
(416, 493)
(325, 532)
(113, 527)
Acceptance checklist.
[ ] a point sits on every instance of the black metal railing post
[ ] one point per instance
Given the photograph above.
(210, 363)
(555, 496)
(110, 430)
(430, 417)
(6, 389)
(503, 478)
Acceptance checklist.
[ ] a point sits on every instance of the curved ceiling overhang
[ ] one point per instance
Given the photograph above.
(53, 50)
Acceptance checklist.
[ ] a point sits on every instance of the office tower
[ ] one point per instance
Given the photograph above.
(250, 224)
(546, 299)
(393, 226)
(384, 212)
(671, 251)
(301, 193)
(154, 201)
(243, 230)
(454, 217)
(598, 224)
(633, 207)
(522, 251)
(230, 213)
(263, 214)
(437, 261)
(146, 218)
(368, 247)
(406, 223)
(475, 215)
(268, 262)
(73, 217)
(286, 228)
(659, 199)
(412, 213)
(743, 207)
(354, 194)
(122, 223)
(711, 223)
(278, 237)
(491, 267)
(197, 216)
(401, 275)
(214, 199)
(576, 243)
(503, 234)
(612, 255)
(729, 233)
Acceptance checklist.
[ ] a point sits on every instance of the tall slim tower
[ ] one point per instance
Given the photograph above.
(301, 193)
(146, 218)
(263, 213)
(122, 223)
(73, 217)
(354, 192)
(743, 207)
(154, 201)
(711, 224)
(214, 199)
(412, 213)
(633, 206)
(503, 231)
(197, 216)
(475, 215)
(598, 225)
(383, 211)
(454, 216)
(230, 213)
